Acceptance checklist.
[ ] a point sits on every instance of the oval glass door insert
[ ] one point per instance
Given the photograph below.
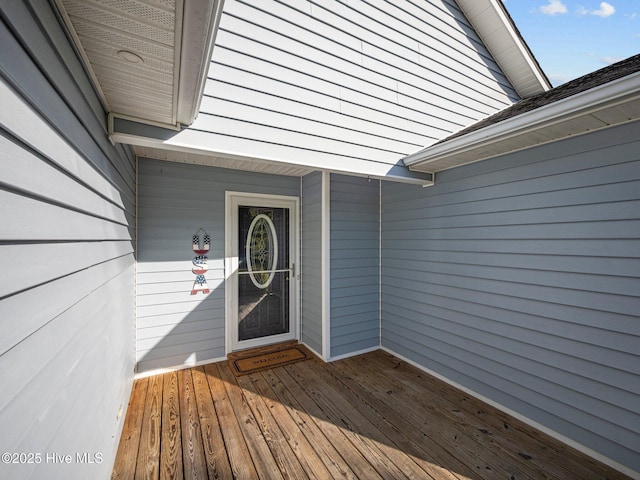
(262, 251)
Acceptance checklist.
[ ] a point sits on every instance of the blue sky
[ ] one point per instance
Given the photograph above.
(571, 38)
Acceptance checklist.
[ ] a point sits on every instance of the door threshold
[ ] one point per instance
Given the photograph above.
(274, 347)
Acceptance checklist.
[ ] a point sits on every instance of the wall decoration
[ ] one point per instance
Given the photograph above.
(201, 250)
(200, 266)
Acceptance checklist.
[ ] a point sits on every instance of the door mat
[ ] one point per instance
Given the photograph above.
(244, 363)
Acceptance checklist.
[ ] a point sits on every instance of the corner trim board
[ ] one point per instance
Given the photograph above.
(326, 265)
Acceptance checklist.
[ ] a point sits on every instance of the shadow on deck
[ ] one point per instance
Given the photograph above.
(367, 417)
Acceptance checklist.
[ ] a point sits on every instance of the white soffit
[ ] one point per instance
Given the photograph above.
(148, 58)
(613, 103)
(496, 30)
(213, 160)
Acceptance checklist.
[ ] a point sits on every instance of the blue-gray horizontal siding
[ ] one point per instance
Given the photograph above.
(311, 261)
(175, 200)
(362, 80)
(355, 263)
(67, 255)
(519, 278)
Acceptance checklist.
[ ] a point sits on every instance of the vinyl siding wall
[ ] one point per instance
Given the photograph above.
(347, 84)
(67, 254)
(176, 328)
(355, 255)
(519, 278)
(311, 261)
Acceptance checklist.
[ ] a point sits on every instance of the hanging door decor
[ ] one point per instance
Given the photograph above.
(200, 266)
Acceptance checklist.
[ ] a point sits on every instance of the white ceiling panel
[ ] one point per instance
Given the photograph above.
(134, 51)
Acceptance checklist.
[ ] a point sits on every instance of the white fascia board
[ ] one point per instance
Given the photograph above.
(497, 31)
(197, 34)
(130, 132)
(585, 103)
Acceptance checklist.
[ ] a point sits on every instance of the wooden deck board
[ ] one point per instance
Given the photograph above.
(277, 414)
(239, 456)
(263, 460)
(375, 439)
(427, 420)
(288, 462)
(410, 436)
(148, 464)
(371, 416)
(472, 432)
(218, 466)
(127, 455)
(326, 441)
(171, 440)
(516, 439)
(193, 458)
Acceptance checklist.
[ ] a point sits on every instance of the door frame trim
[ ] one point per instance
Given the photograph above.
(232, 201)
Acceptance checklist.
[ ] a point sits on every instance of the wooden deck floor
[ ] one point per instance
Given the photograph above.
(368, 417)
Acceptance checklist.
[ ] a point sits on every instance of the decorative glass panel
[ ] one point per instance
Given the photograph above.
(262, 251)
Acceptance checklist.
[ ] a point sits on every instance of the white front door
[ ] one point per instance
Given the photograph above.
(261, 280)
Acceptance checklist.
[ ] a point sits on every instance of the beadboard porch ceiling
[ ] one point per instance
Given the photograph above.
(148, 59)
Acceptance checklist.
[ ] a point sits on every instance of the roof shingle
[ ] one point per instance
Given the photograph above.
(573, 87)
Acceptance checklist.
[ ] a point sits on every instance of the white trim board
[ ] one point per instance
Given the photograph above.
(312, 350)
(161, 371)
(326, 265)
(353, 354)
